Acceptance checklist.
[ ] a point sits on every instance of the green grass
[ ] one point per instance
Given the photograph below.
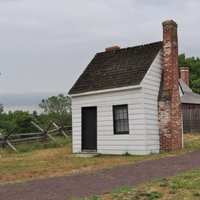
(183, 186)
(36, 145)
(60, 142)
(192, 142)
(58, 161)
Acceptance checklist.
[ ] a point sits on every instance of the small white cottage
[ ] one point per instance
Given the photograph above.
(119, 101)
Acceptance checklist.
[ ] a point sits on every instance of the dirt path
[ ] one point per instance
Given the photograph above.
(62, 188)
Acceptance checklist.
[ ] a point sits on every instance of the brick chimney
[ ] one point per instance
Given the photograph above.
(170, 116)
(185, 75)
(112, 49)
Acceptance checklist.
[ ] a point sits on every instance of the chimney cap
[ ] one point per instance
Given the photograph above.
(112, 48)
(184, 68)
(169, 22)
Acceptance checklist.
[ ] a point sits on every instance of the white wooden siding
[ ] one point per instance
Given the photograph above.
(107, 142)
(150, 87)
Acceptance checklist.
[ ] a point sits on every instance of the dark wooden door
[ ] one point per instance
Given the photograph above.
(89, 128)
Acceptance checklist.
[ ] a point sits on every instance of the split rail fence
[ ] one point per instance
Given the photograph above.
(11, 139)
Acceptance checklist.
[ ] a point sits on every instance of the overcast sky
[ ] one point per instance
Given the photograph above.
(46, 44)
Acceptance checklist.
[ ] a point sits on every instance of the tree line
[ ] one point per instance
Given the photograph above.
(56, 108)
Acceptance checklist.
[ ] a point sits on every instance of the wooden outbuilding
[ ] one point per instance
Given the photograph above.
(124, 100)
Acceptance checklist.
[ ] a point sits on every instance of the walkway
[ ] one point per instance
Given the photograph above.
(62, 188)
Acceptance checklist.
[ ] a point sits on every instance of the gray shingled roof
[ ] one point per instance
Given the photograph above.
(188, 95)
(124, 67)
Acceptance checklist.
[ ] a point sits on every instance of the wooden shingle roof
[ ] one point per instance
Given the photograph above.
(120, 68)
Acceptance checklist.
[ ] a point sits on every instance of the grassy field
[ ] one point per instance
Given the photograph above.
(183, 186)
(60, 161)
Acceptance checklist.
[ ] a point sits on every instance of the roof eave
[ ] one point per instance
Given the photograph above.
(106, 91)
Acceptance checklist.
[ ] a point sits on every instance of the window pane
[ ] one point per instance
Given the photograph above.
(121, 116)
(126, 125)
(118, 127)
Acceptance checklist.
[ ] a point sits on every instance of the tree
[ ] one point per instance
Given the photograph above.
(1, 108)
(22, 121)
(193, 63)
(19, 120)
(57, 108)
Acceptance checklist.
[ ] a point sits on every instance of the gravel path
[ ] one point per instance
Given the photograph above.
(62, 188)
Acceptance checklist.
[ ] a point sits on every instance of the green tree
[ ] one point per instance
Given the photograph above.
(193, 63)
(18, 119)
(1, 108)
(5, 122)
(57, 108)
(22, 121)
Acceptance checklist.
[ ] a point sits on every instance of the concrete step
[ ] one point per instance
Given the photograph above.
(87, 154)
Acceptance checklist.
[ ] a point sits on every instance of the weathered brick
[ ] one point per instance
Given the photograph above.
(185, 74)
(170, 116)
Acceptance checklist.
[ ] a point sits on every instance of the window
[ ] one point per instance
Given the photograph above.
(120, 119)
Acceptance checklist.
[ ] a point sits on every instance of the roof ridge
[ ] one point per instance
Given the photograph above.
(135, 47)
(142, 45)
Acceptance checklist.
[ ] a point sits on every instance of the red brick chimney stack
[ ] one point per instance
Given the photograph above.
(170, 55)
(185, 75)
(170, 116)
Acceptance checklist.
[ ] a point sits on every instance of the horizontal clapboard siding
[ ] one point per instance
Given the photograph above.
(107, 142)
(151, 86)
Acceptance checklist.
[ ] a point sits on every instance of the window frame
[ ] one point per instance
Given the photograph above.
(115, 107)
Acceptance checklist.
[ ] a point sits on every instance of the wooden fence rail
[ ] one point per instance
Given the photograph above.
(10, 139)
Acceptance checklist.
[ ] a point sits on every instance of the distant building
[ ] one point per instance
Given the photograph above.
(190, 103)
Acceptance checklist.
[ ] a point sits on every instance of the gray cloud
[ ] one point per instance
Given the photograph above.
(46, 44)
(24, 99)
